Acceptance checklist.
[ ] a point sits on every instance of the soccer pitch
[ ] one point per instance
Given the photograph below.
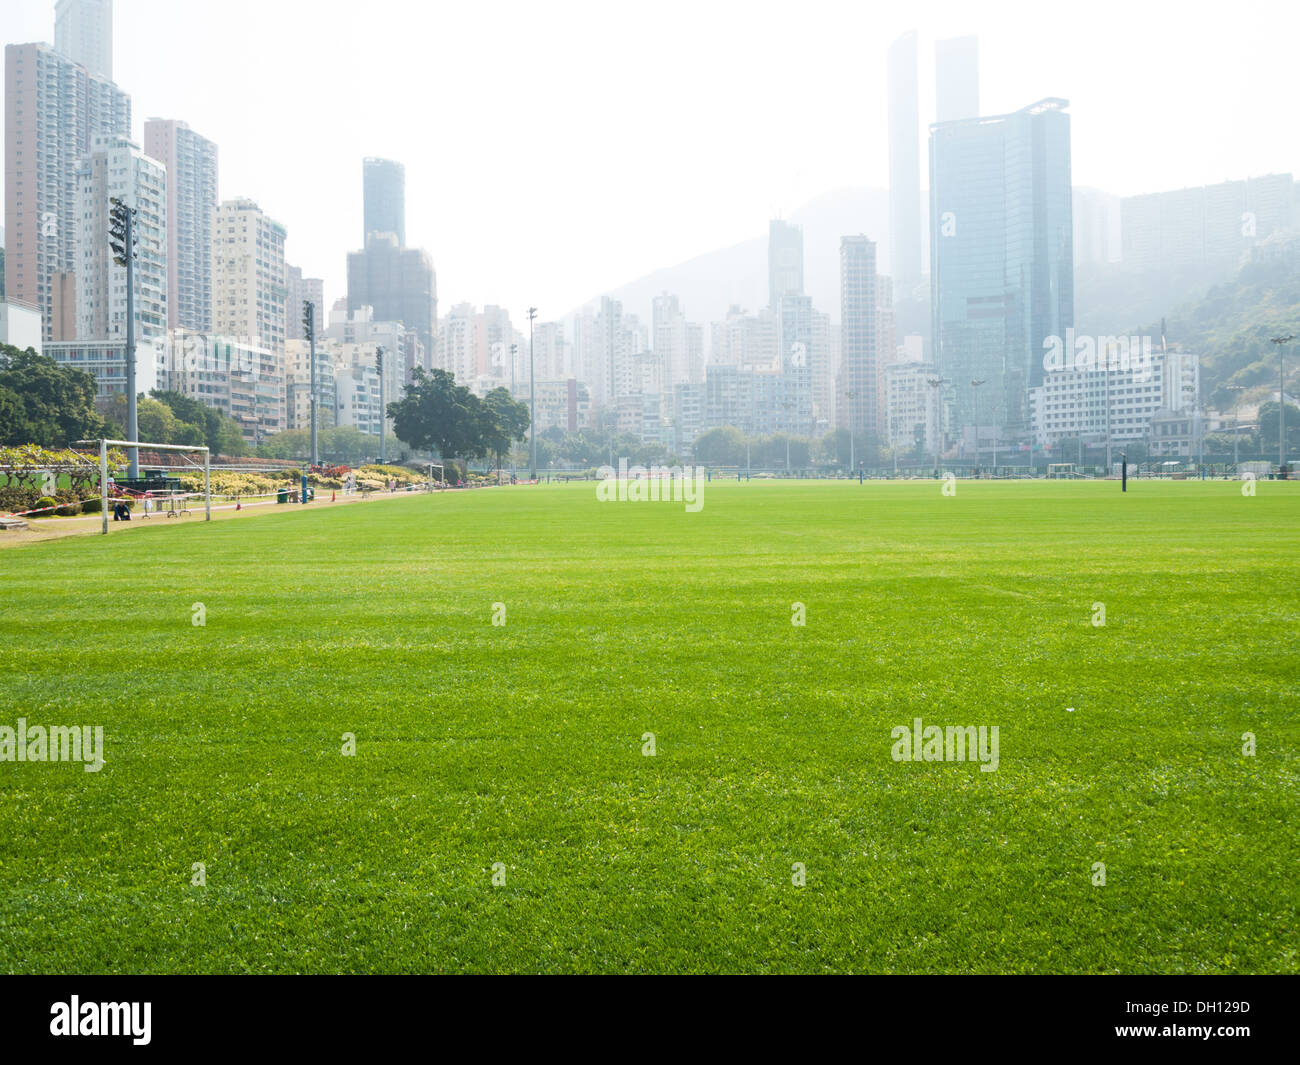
(645, 764)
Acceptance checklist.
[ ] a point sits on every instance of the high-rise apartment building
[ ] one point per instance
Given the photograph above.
(384, 192)
(1211, 227)
(191, 164)
(248, 304)
(300, 290)
(957, 79)
(83, 32)
(904, 163)
(53, 110)
(858, 336)
(1002, 257)
(115, 168)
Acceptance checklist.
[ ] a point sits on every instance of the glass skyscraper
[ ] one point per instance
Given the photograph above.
(1002, 257)
(384, 190)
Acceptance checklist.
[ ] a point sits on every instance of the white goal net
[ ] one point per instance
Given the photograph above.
(153, 488)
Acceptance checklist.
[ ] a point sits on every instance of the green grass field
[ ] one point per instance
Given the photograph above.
(521, 743)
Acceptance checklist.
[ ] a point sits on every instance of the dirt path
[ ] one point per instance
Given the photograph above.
(39, 529)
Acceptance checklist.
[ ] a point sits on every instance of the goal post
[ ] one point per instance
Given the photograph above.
(190, 449)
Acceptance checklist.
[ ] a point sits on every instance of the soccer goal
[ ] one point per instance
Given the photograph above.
(107, 487)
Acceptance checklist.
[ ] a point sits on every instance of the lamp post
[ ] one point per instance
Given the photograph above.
(123, 240)
(1281, 342)
(532, 398)
(309, 328)
(1237, 390)
(851, 395)
(383, 435)
(514, 353)
(937, 383)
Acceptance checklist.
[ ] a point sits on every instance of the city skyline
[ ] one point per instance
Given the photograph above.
(510, 233)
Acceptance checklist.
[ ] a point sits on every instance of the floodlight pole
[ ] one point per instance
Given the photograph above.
(132, 421)
(383, 447)
(532, 396)
(103, 484)
(1281, 342)
(514, 355)
(309, 321)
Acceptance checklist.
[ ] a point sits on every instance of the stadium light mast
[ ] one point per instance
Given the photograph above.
(383, 426)
(123, 240)
(937, 383)
(852, 457)
(309, 329)
(1236, 399)
(1281, 342)
(532, 397)
(514, 356)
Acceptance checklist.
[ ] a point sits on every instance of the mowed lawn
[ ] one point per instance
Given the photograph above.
(522, 744)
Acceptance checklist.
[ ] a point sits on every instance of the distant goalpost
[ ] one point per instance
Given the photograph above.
(141, 445)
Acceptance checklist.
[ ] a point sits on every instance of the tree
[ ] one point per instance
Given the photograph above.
(1268, 418)
(504, 422)
(837, 447)
(439, 415)
(724, 446)
(219, 432)
(42, 402)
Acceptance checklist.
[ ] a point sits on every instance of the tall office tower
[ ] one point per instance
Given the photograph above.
(859, 335)
(957, 78)
(300, 290)
(191, 162)
(53, 110)
(83, 32)
(399, 283)
(115, 168)
(784, 261)
(1002, 257)
(248, 304)
(384, 191)
(904, 163)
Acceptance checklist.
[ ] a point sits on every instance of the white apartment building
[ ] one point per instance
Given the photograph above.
(912, 410)
(248, 304)
(1090, 403)
(297, 375)
(191, 164)
(116, 168)
(357, 397)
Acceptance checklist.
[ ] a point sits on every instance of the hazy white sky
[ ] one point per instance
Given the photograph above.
(555, 150)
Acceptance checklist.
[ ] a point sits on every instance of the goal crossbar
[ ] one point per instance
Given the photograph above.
(104, 445)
